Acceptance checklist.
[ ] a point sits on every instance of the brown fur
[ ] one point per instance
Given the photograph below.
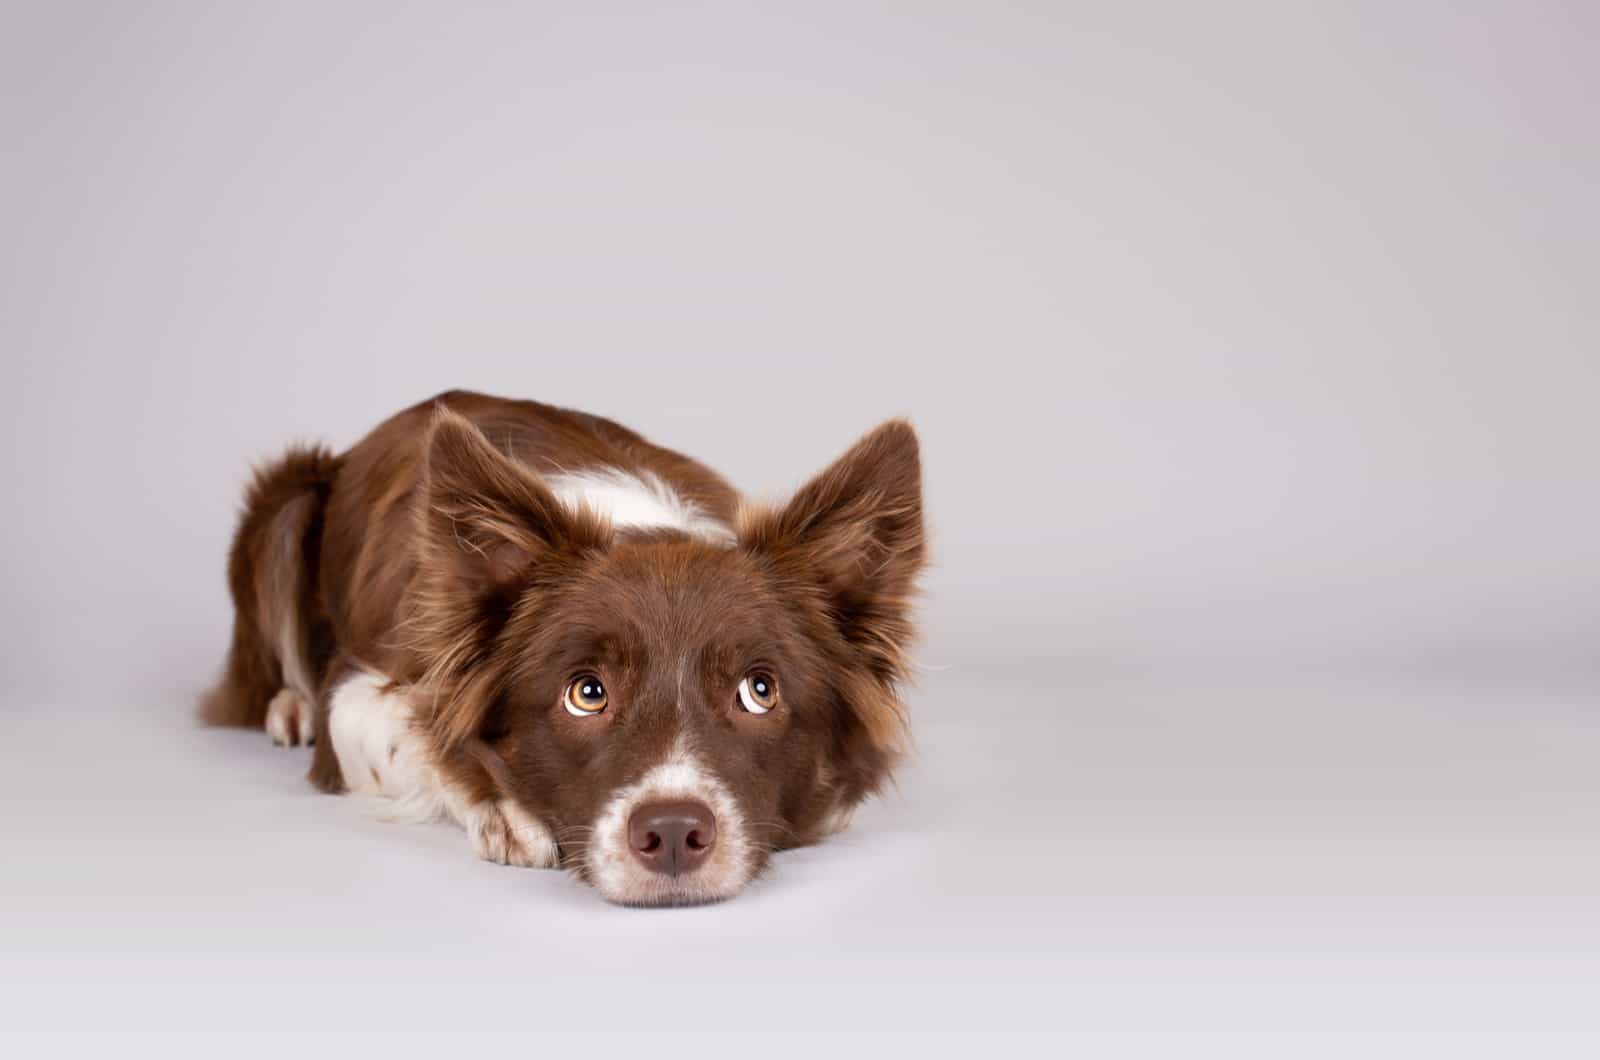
(272, 572)
(432, 552)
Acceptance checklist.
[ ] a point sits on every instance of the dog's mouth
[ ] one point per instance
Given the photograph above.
(676, 837)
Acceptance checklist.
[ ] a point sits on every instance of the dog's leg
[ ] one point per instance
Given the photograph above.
(501, 831)
(380, 750)
(278, 631)
(325, 774)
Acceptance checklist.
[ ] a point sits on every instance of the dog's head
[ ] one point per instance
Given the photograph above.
(674, 709)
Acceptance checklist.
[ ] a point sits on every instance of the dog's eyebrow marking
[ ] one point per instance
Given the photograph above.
(637, 500)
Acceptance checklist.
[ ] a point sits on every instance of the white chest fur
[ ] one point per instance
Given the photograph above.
(380, 752)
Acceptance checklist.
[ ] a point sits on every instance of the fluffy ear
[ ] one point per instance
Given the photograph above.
(488, 526)
(854, 533)
(486, 519)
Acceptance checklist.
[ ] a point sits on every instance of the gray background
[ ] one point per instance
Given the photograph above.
(1254, 351)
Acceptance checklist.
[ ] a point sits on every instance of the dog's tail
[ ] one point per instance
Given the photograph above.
(272, 573)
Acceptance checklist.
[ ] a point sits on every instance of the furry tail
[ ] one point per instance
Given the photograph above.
(272, 572)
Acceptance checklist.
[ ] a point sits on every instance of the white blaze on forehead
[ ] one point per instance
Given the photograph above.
(638, 501)
(621, 877)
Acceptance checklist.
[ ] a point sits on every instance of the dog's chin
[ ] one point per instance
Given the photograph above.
(632, 884)
(667, 893)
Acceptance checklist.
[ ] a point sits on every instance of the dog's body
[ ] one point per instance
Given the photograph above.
(580, 646)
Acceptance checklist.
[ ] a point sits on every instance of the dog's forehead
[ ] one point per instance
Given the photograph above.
(679, 588)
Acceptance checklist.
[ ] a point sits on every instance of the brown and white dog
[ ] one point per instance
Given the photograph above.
(582, 647)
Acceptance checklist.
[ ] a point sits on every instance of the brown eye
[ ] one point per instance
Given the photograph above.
(585, 696)
(758, 692)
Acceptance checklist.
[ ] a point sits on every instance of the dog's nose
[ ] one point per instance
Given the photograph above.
(672, 837)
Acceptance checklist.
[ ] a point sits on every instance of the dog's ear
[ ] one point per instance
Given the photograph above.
(854, 534)
(489, 528)
(486, 519)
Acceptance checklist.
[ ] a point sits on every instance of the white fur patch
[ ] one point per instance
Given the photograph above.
(381, 753)
(289, 719)
(379, 750)
(283, 594)
(505, 833)
(641, 501)
(620, 876)
(289, 655)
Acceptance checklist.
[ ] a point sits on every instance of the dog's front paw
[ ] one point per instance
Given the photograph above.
(506, 834)
(289, 719)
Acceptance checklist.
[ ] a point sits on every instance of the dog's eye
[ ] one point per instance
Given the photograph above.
(585, 696)
(758, 693)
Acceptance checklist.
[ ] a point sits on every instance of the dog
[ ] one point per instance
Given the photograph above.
(587, 650)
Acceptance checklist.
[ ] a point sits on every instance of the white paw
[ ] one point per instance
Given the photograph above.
(289, 719)
(505, 833)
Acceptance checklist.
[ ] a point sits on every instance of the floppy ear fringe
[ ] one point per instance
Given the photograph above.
(877, 705)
